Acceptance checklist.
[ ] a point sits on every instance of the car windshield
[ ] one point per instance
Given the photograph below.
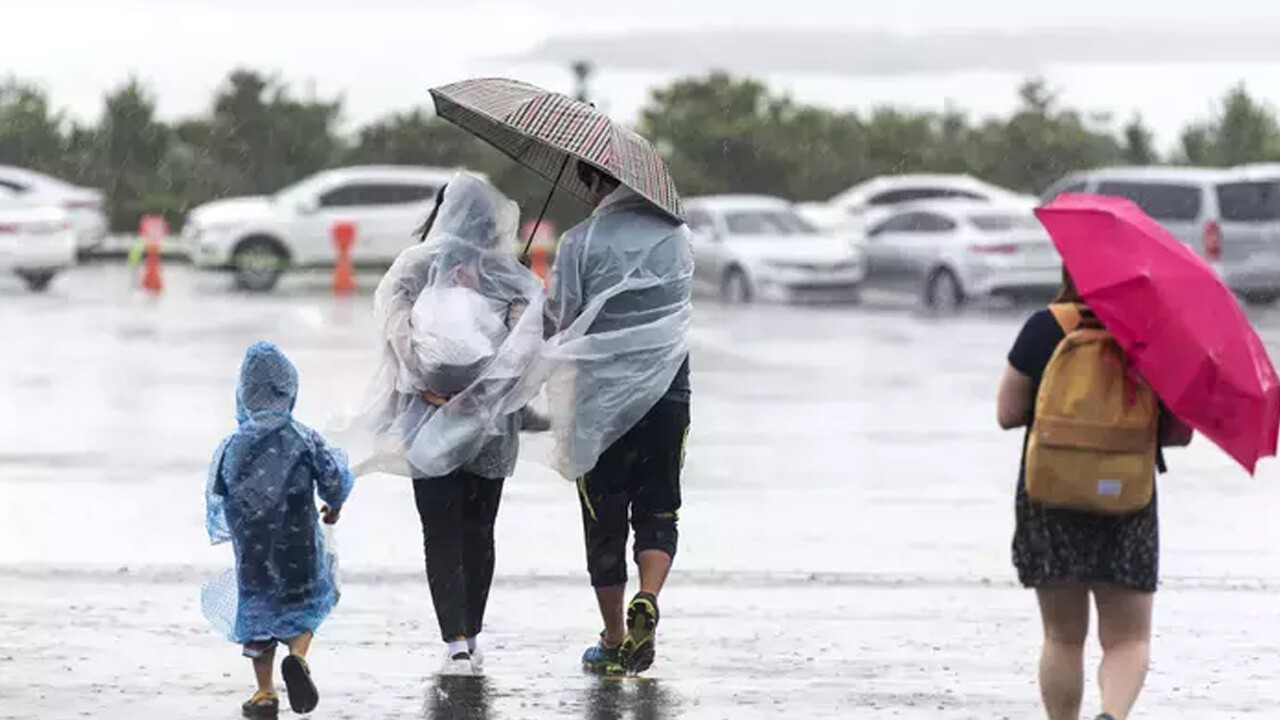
(767, 222)
(301, 190)
(994, 223)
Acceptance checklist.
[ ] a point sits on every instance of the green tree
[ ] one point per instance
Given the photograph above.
(1040, 143)
(720, 134)
(30, 131)
(419, 138)
(128, 147)
(1244, 131)
(1138, 146)
(274, 139)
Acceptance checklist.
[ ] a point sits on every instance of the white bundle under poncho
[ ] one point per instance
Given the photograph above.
(456, 333)
(460, 318)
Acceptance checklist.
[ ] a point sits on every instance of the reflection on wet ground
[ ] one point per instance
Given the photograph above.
(459, 698)
(844, 541)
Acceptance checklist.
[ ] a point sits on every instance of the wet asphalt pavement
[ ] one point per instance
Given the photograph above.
(844, 541)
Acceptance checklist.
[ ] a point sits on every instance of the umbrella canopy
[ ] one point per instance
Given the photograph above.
(1180, 325)
(544, 130)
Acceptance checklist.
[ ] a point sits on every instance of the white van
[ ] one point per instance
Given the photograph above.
(1231, 217)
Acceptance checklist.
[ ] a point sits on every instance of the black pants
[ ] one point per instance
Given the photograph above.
(636, 480)
(458, 512)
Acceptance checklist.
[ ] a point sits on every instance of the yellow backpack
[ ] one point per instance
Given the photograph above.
(1095, 439)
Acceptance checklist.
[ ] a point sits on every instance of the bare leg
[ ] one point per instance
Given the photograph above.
(1124, 628)
(264, 670)
(655, 565)
(610, 599)
(299, 645)
(1064, 610)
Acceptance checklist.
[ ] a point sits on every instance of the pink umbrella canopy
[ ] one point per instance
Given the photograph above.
(1180, 325)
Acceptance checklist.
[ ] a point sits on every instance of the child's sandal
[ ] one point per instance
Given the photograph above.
(302, 692)
(261, 705)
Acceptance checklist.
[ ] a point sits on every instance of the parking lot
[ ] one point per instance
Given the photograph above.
(845, 537)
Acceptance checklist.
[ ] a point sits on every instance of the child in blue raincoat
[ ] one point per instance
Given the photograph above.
(261, 496)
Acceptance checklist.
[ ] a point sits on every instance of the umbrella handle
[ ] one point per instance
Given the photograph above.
(528, 244)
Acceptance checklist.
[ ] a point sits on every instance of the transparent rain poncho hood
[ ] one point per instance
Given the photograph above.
(260, 496)
(620, 305)
(460, 318)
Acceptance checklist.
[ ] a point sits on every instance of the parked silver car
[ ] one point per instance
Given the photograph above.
(948, 252)
(752, 247)
(1231, 217)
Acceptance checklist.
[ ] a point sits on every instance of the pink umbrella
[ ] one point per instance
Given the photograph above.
(1180, 325)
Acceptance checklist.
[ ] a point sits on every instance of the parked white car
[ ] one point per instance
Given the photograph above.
(866, 203)
(85, 207)
(36, 241)
(751, 247)
(259, 238)
(949, 252)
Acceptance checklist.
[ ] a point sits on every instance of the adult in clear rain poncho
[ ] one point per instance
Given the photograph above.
(461, 322)
(616, 369)
(260, 496)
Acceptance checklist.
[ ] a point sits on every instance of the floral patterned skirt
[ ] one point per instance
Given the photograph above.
(1051, 545)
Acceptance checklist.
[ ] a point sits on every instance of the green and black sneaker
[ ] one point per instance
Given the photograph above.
(602, 660)
(637, 650)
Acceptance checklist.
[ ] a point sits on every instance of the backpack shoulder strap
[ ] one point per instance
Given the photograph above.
(1068, 316)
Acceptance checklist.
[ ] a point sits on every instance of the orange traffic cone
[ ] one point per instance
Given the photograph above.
(151, 280)
(538, 261)
(344, 277)
(153, 229)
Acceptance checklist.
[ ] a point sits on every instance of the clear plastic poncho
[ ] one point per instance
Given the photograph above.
(260, 496)
(461, 319)
(620, 303)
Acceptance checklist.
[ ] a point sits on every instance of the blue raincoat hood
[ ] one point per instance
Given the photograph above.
(268, 386)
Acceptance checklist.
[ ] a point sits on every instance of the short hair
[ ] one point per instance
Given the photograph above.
(589, 174)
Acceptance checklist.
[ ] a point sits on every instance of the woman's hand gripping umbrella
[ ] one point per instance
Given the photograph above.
(1180, 325)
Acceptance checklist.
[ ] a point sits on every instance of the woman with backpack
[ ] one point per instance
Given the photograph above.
(1086, 518)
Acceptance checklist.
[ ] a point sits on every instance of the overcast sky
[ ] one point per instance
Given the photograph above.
(382, 55)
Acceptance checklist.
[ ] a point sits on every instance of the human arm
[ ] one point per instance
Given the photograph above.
(1014, 400)
(1035, 344)
(334, 480)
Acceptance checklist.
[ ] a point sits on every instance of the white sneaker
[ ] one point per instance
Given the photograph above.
(459, 665)
(477, 661)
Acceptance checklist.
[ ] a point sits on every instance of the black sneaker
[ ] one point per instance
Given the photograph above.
(637, 650)
(302, 692)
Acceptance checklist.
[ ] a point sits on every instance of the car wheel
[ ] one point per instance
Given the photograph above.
(258, 264)
(37, 280)
(943, 293)
(735, 288)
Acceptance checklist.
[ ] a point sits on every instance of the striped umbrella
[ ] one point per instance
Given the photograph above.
(544, 130)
